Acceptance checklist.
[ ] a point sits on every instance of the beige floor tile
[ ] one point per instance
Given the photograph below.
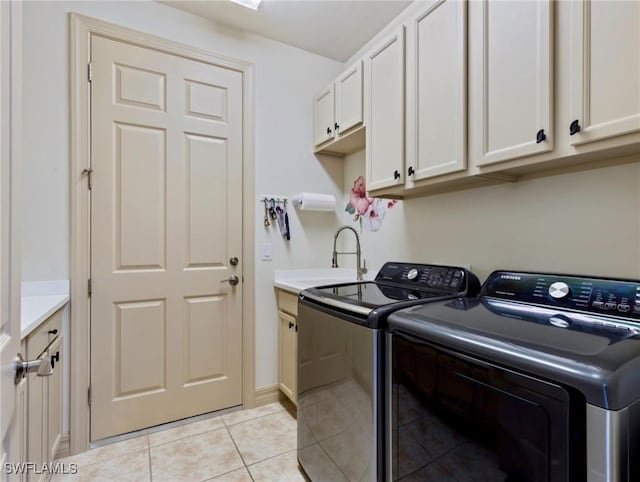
(319, 466)
(186, 430)
(265, 437)
(108, 452)
(133, 467)
(244, 415)
(283, 468)
(240, 475)
(195, 458)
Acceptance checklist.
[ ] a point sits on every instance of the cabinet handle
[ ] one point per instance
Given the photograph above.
(55, 359)
(328, 130)
(336, 126)
(411, 172)
(574, 128)
(290, 325)
(540, 136)
(53, 332)
(396, 174)
(296, 328)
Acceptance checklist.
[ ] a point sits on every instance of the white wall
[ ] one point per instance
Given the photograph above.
(285, 80)
(583, 223)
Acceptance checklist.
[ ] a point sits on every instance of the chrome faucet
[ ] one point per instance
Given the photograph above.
(334, 260)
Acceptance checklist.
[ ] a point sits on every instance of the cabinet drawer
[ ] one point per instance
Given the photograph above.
(288, 302)
(40, 338)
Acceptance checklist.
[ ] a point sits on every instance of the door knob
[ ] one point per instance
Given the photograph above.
(234, 261)
(233, 280)
(42, 366)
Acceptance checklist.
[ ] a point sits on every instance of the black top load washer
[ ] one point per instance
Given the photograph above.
(536, 380)
(340, 364)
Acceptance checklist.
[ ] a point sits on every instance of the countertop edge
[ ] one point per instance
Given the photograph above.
(27, 328)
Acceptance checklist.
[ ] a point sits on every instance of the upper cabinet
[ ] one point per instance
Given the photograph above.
(348, 88)
(467, 93)
(511, 79)
(338, 114)
(323, 113)
(384, 98)
(605, 70)
(436, 102)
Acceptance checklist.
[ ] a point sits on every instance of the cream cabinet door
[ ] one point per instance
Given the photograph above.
(323, 116)
(605, 70)
(511, 72)
(348, 90)
(287, 354)
(384, 107)
(437, 90)
(54, 399)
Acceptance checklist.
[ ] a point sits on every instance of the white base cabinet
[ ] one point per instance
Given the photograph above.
(44, 396)
(288, 344)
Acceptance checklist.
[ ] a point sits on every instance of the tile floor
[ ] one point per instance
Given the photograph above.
(248, 445)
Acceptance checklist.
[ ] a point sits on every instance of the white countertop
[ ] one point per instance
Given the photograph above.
(296, 280)
(40, 300)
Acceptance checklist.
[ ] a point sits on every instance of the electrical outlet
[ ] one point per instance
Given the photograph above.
(267, 252)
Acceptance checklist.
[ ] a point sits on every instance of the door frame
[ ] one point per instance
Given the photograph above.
(82, 30)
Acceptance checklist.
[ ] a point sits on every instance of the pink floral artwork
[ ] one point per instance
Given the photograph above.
(369, 212)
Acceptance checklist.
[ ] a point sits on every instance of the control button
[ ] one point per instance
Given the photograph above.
(458, 273)
(598, 304)
(559, 290)
(610, 306)
(455, 282)
(623, 308)
(412, 274)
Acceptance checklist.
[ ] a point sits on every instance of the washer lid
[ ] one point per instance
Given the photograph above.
(599, 356)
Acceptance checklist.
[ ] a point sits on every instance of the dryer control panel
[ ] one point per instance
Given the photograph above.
(588, 294)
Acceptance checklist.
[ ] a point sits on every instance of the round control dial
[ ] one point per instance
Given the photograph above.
(559, 290)
(412, 274)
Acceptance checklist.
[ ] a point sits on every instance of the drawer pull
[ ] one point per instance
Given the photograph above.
(53, 332)
(55, 359)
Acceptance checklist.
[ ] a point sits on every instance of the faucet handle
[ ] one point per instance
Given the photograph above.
(364, 266)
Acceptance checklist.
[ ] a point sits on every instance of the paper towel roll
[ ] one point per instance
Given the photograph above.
(311, 201)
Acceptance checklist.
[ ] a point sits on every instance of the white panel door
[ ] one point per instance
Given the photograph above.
(323, 116)
(605, 70)
(384, 99)
(348, 90)
(166, 219)
(512, 63)
(437, 90)
(12, 395)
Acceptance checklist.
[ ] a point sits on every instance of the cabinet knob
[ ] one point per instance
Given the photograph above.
(53, 332)
(410, 171)
(328, 130)
(290, 325)
(574, 127)
(540, 136)
(396, 174)
(336, 126)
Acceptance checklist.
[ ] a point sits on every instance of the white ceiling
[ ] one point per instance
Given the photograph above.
(331, 28)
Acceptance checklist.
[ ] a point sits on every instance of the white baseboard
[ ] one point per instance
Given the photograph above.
(266, 395)
(64, 447)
